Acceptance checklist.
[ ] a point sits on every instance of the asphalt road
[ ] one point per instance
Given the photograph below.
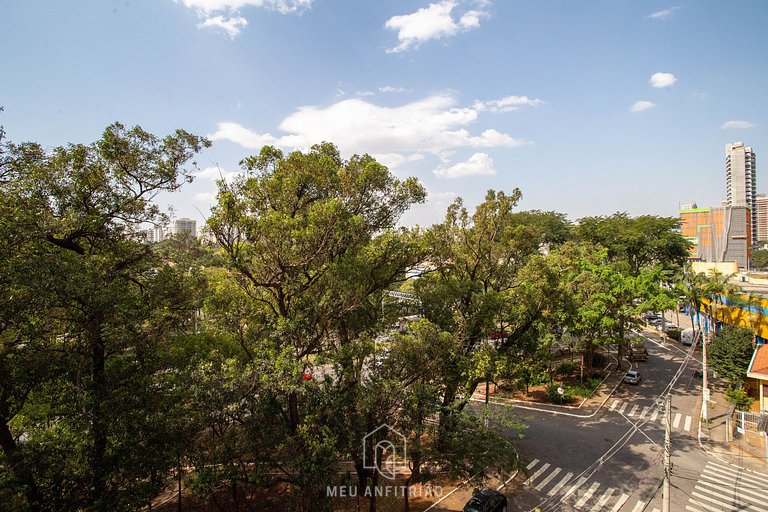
(613, 460)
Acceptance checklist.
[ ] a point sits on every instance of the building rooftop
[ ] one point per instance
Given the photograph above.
(758, 367)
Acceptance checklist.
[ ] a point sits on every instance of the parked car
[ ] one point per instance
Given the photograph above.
(486, 500)
(633, 377)
(687, 336)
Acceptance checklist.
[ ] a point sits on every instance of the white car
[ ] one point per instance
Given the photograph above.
(633, 377)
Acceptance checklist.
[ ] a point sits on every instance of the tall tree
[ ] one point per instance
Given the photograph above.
(96, 302)
(311, 239)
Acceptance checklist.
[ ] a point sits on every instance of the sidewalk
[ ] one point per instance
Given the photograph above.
(586, 408)
(745, 450)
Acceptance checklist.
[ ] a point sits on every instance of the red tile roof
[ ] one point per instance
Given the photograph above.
(759, 364)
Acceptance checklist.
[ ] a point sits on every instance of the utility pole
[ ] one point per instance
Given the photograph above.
(667, 468)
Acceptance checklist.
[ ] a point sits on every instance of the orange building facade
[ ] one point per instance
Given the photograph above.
(718, 234)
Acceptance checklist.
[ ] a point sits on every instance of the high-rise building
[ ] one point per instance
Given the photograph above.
(762, 218)
(741, 180)
(154, 234)
(186, 226)
(718, 234)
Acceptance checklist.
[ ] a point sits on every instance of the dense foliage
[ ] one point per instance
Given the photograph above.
(255, 367)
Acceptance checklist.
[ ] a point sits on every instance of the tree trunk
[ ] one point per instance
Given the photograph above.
(18, 466)
(98, 418)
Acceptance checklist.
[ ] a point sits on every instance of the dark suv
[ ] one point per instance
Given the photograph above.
(487, 500)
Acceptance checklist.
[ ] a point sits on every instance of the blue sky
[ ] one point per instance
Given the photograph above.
(588, 107)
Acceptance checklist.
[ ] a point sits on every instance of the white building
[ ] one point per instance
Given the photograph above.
(187, 226)
(762, 217)
(741, 180)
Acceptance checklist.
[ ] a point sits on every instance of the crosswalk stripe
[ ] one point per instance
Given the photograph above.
(756, 481)
(533, 463)
(633, 410)
(640, 505)
(702, 505)
(743, 481)
(622, 499)
(691, 509)
(721, 504)
(549, 478)
(603, 500)
(536, 474)
(717, 484)
(718, 493)
(687, 426)
(585, 497)
(560, 484)
(655, 414)
(623, 407)
(645, 411)
(575, 486)
(676, 423)
(614, 403)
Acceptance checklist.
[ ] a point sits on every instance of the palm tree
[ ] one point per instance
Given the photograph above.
(716, 286)
(691, 288)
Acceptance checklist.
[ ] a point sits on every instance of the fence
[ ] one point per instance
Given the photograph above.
(749, 432)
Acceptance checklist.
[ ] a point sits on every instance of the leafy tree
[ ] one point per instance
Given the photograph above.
(94, 311)
(311, 242)
(645, 252)
(760, 259)
(730, 352)
(479, 259)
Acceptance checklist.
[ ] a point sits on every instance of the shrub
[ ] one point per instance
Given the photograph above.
(739, 398)
(567, 368)
(556, 398)
(674, 333)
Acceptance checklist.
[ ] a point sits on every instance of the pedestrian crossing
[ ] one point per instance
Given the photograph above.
(728, 488)
(578, 492)
(651, 413)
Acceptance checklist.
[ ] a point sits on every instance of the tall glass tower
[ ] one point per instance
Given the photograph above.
(741, 180)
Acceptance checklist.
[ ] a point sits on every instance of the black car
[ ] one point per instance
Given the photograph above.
(486, 500)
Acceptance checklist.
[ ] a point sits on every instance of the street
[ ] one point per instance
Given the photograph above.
(612, 460)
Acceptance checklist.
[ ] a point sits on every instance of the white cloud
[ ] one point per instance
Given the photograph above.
(433, 126)
(736, 125)
(507, 104)
(230, 25)
(214, 173)
(225, 14)
(388, 88)
(432, 22)
(431, 211)
(665, 14)
(365, 93)
(479, 164)
(281, 6)
(661, 80)
(641, 105)
(205, 197)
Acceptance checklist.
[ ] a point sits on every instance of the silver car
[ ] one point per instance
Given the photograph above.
(633, 377)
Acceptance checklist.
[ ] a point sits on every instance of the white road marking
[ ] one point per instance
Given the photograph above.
(536, 475)
(533, 463)
(622, 500)
(645, 411)
(560, 484)
(585, 497)
(687, 426)
(634, 410)
(623, 407)
(549, 478)
(602, 501)
(676, 423)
